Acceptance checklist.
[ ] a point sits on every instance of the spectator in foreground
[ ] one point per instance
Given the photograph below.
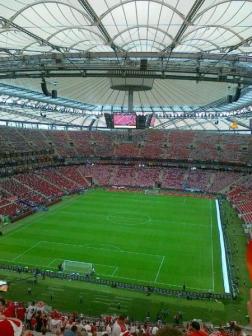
(72, 331)
(9, 326)
(119, 326)
(30, 312)
(27, 333)
(194, 329)
(169, 331)
(238, 331)
(154, 330)
(2, 305)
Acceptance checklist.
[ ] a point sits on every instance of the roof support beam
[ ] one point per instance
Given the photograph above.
(246, 79)
(193, 11)
(247, 41)
(136, 55)
(7, 51)
(89, 9)
(37, 38)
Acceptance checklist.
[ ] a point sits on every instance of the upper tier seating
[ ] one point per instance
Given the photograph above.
(155, 144)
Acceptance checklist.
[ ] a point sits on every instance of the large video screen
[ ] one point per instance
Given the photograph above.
(124, 120)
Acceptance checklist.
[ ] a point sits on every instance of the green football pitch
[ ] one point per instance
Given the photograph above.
(160, 240)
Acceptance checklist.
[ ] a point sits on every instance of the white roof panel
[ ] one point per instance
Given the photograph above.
(136, 25)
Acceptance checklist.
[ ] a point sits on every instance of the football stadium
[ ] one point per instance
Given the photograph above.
(125, 167)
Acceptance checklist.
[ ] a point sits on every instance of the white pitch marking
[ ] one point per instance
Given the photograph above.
(26, 251)
(51, 262)
(212, 245)
(160, 266)
(115, 270)
(100, 248)
(159, 283)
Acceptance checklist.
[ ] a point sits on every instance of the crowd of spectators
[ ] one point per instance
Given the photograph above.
(173, 145)
(36, 318)
(240, 195)
(26, 192)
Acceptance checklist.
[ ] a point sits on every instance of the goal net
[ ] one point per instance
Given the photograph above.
(154, 191)
(71, 266)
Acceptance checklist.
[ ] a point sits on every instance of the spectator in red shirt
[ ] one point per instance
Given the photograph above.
(2, 306)
(20, 311)
(8, 326)
(8, 310)
(195, 330)
(93, 329)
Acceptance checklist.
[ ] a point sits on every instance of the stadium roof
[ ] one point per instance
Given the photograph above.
(130, 25)
(195, 50)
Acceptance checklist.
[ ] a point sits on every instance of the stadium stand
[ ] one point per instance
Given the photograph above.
(168, 160)
(55, 178)
(240, 195)
(123, 176)
(173, 178)
(11, 209)
(101, 174)
(143, 166)
(35, 319)
(39, 184)
(74, 174)
(173, 145)
(139, 163)
(146, 176)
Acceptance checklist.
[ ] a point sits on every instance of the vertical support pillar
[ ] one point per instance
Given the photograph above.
(130, 101)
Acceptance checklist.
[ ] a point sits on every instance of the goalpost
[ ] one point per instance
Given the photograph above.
(154, 191)
(71, 266)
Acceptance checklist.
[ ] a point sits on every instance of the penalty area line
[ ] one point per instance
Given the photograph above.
(53, 261)
(160, 266)
(114, 272)
(87, 246)
(26, 251)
